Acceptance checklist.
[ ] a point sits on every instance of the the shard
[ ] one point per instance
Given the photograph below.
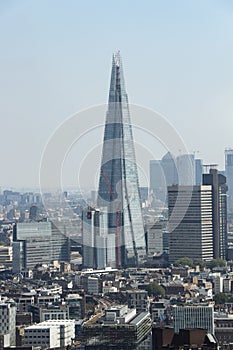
(118, 184)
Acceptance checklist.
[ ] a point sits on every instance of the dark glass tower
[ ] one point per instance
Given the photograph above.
(118, 184)
(219, 203)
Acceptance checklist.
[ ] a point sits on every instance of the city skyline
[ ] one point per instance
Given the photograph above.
(50, 55)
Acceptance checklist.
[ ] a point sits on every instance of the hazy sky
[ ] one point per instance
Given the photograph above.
(56, 59)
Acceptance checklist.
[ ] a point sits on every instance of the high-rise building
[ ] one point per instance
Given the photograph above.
(37, 243)
(157, 179)
(183, 170)
(191, 234)
(219, 205)
(95, 239)
(169, 167)
(155, 238)
(198, 172)
(186, 169)
(158, 184)
(229, 176)
(118, 184)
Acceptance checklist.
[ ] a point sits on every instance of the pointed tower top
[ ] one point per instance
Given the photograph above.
(117, 58)
(117, 91)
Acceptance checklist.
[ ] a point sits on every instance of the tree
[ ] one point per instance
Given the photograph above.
(154, 289)
(220, 298)
(184, 262)
(217, 263)
(199, 262)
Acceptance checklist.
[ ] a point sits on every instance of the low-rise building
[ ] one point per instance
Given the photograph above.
(138, 299)
(49, 312)
(118, 328)
(50, 334)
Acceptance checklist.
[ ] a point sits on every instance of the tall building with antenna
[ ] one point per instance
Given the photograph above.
(118, 184)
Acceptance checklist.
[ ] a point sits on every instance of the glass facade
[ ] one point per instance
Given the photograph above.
(38, 243)
(118, 184)
(193, 235)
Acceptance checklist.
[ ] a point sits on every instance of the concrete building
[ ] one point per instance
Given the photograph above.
(190, 222)
(50, 312)
(8, 321)
(93, 285)
(195, 316)
(95, 240)
(119, 328)
(155, 239)
(50, 334)
(157, 310)
(166, 338)
(138, 299)
(224, 331)
(6, 256)
(76, 305)
(38, 243)
(218, 284)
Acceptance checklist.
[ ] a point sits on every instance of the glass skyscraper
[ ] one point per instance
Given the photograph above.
(118, 184)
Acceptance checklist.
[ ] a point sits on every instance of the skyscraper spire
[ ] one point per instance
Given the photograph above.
(118, 184)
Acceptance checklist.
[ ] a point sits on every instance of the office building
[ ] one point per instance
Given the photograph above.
(193, 316)
(229, 177)
(166, 338)
(118, 328)
(95, 239)
(8, 321)
(6, 256)
(183, 170)
(50, 334)
(49, 312)
(158, 184)
(198, 172)
(224, 331)
(155, 239)
(157, 178)
(169, 167)
(190, 222)
(118, 184)
(186, 169)
(138, 299)
(38, 243)
(219, 207)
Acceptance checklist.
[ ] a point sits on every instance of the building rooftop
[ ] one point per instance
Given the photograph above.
(139, 318)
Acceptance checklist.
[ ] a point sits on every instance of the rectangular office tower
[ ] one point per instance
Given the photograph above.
(95, 239)
(229, 176)
(190, 222)
(219, 204)
(38, 243)
(118, 184)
